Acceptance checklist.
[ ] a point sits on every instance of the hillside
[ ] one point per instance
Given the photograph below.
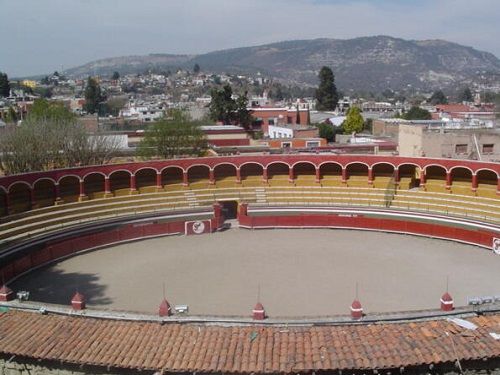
(368, 63)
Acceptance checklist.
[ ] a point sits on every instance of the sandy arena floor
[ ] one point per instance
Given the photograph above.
(300, 273)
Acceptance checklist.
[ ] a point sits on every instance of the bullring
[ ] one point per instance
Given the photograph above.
(55, 214)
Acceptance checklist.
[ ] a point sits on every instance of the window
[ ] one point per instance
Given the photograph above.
(488, 148)
(461, 149)
(312, 144)
(271, 121)
(286, 144)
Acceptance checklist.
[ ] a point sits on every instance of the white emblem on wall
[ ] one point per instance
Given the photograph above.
(198, 227)
(496, 245)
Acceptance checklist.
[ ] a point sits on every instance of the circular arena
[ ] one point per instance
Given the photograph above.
(367, 263)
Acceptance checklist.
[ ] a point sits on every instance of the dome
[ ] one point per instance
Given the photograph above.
(446, 297)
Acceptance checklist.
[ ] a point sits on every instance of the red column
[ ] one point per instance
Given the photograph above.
(264, 175)
(370, 176)
(290, 175)
(82, 188)
(57, 193)
(344, 174)
(498, 186)
(133, 186)
(158, 180)
(32, 198)
(422, 177)
(185, 181)
(238, 175)
(474, 182)
(211, 177)
(448, 180)
(107, 185)
(396, 176)
(318, 175)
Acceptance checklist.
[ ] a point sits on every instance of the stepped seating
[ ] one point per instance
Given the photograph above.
(406, 183)
(382, 182)
(462, 205)
(332, 180)
(462, 188)
(357, 181)
(173, 196)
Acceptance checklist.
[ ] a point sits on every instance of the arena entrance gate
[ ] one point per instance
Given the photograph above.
(229, 209)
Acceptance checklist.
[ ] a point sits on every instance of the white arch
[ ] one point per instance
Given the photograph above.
(331, 162)
(434, 165)
(94, 172)
(44, 178)
(69, 175)
(144, 168)
(252, 162)
(120, 170)
(173, 166)
(198, 165)
(304, 162)
(384, 162)
(463, 167)
(489, 170)
(277, 162)
(357, 162)
(19, 182)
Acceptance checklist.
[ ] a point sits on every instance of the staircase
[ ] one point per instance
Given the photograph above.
(260, 194)
(191, 198)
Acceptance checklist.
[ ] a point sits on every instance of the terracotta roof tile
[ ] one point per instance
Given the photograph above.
(243, 349)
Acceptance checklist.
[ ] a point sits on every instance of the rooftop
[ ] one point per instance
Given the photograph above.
(246, 348)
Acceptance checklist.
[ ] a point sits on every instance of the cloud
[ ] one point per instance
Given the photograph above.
(40, 36)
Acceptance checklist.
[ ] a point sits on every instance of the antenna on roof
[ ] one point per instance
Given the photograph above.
(447, 282)
(164, 290)
(356, 290)
(258, 292)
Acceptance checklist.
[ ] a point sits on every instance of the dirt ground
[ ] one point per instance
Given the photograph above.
(299, 273)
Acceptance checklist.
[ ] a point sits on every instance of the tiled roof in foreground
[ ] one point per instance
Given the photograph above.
(244, 348)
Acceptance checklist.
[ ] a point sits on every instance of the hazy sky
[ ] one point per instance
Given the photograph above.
(40, 36)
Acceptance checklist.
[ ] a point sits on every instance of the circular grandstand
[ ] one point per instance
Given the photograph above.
(50, 216)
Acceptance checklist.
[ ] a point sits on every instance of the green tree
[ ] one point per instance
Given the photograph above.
(173, 136)
(93, 96)
(115, 76)
(326, 94)
(417, 113)
(438, 97)
(227, 110)
(465, 95)
(196, 68)
(354, 121)
(4, 85)
(328, 131)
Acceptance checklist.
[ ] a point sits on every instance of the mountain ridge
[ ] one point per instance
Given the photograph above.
(365, 63)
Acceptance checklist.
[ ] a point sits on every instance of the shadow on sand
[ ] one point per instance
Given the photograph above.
(55, 286)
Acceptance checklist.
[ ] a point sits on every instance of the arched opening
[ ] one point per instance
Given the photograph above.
(3, 200)
(383, 176)
(225, 175)
(198, 177)
(435, 179)
(278, 174)
(119, 183)
(357, 175)
(487, 182)
(44, 193)
(331, 174)
(461, 181)
(94, 185)
(304, 174)
(409, 176)
(69, 189)
(251, 174)
(19, 198)
(171, 178)
(145, 180)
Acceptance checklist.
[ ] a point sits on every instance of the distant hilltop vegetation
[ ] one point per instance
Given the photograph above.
(369, 63)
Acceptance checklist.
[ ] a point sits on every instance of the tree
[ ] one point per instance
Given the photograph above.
(93, 96)
(227, 110)
(326, 94)
(438, 97)
(173, 136)
(465, 95)
(417, 113)
(51, 137)
(354, 121)
(328, 131)
(115, 76)
(196, 68)
(4, 85)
